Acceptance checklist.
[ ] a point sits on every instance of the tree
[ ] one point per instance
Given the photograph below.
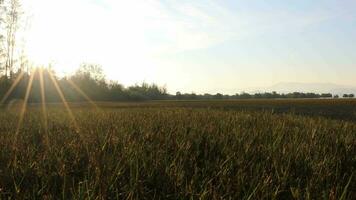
(219, 96)
(245, 95)
(91, 79)
(326, 95)
(117, 91)
(93, 71)
(1, 35)
(348, 96)
(11, 21)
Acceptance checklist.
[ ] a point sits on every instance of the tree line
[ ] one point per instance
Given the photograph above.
(89, 82)
(264, 95)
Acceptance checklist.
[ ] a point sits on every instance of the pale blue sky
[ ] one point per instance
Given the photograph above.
(201, 45)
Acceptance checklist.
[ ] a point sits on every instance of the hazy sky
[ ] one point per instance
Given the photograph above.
(200, 45)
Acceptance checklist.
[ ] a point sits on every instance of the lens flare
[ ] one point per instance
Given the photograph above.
(43, 105)
(64, 101)
(81, 92)
(13, 86)
(24, 106)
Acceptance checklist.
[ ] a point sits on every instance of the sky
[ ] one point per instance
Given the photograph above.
(198, 46)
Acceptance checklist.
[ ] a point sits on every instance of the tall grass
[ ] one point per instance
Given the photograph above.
(176, 153)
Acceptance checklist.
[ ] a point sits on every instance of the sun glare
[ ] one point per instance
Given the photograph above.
(39, 71)
(113, 38)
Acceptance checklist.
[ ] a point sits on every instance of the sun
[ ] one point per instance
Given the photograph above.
(112, 37)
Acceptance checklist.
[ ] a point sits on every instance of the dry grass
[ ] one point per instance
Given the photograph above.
(177, 152)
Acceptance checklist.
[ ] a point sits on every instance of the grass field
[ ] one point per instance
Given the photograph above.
(247, 149)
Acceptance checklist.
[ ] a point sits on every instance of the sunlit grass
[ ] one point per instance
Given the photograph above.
(179, 153)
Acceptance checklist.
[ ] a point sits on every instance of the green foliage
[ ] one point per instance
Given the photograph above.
(176, 150)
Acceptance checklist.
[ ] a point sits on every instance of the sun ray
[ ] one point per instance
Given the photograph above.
(43, 105)
(24, 105)
(64, 101)
(13, 86)
(81, 92)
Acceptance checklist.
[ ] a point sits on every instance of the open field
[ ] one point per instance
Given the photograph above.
(246, 149)
(344, 109)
